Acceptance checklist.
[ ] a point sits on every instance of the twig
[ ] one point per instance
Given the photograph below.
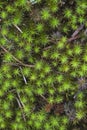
(20, 100)
(6, 38)
(18, 28)
(48, 47)
(21, 105)
(69, 40)
(23, 75)
(76, 94)
(72, 38)
(77, 31)
(20, 62)
(23, 115)
(75, 34)
(11, 63)
(54, 41)
(11, 91)
(43, 97)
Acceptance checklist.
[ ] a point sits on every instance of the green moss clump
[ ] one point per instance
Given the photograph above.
(43, 64)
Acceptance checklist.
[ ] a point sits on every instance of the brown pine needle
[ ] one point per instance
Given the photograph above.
(17, 60)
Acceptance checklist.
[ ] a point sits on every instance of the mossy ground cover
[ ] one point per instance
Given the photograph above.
(43, 65)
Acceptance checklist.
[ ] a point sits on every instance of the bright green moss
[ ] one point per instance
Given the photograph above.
(43, 59)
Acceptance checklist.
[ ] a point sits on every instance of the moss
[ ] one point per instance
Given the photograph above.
(43, 62)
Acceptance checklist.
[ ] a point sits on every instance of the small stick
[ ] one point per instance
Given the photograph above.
(6, 38)
(72, 39)
(48, 47)
(76, 94)
(43, 98)
(75, 34)
(21, 108)
(20, 62)
(77, 31)
(13, 90)
(11, 63)
(20, 100)
(18, 28)
(19, 103)
(23, 75)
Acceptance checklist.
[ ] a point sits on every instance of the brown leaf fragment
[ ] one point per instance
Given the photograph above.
(59, 109)
(48, 107)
